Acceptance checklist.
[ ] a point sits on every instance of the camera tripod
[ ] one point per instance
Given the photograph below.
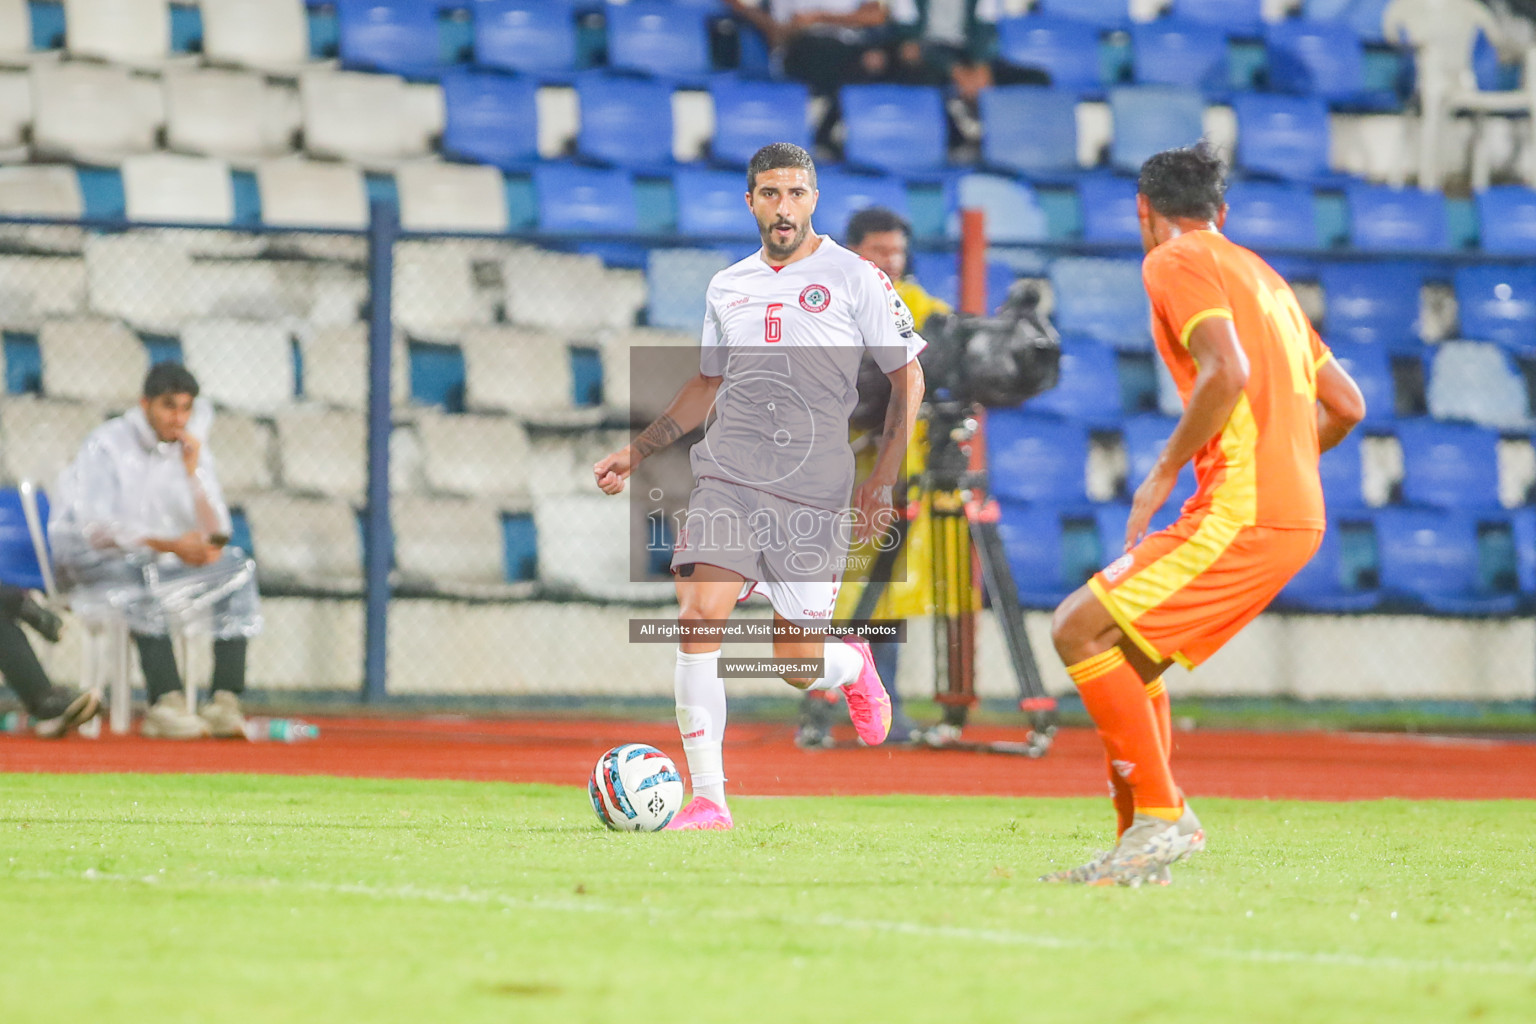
(963, 520)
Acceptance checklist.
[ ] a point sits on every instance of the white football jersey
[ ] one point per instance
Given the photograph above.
(788, 343)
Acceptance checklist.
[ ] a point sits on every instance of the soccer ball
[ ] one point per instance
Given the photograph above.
(635, 788)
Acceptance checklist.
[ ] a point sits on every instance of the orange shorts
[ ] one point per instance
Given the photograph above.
(1185, 591)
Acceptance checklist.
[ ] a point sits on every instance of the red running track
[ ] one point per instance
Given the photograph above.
(762, 760)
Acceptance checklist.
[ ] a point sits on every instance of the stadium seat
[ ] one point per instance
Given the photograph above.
(1237, 17)
(1282, 136)
(710, 205)
(895, 128)
(36, 288)
(625, 122)
(1498, 303)
(844, 194)
(1109, 208)
(652, 37)
(584, 200)
(268, 35)
(531, 37)
(229, 114)
(677, 280)
(349, 115)
(1032, 543)
(1384, 219)
(1088, 388)
(1340, 468)
(92, 360)
(1322, 59)
(1523, 527)
(336, 367)
(1326, 584)
(1507, 214)
(311, 193)
(1037, 459)
(396, 37)
(15, 32)
(175, 189)
(305, 543)
(491, 119)
(750, 114)
(539, 286)
(322, 451)
(15, 114)
(243, 447)
(40, 190)
(92, 113)
(1102, 299)
(474, 456)
(1145, 437)
(1029, 130)
(1475, 382)
(1151, 118)
(1431, 558)
(451, 197)
(1066, 50)
(142, 279)
(939, 274)
(1449, 465)
(1171, 51)
(448, 545)
(585, 547)
(434, 293)
(241, 365)
(1362, 16)
(1270, 215)
(516, 370)
(132, 32)
(42, 436)
(1373, 303)
(1109, 14)
(1371, 367)
(1013, 214)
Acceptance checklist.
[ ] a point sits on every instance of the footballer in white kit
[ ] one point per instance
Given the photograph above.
(775, 506)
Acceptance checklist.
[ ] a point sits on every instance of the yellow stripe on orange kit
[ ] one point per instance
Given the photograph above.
(1197, 319)
(1088, 670)
(1237, 496)
(1142, 591)
(1156, 688)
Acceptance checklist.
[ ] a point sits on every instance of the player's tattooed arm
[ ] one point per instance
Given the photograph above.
(657, 436)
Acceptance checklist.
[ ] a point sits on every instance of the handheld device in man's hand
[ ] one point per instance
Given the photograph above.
(218, 539)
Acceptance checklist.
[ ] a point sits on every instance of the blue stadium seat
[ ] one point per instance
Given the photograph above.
(1323, 59)
(1432, 558)
(1523, 525)
(1507, 214)
(1282, 136)
(1030, 130)
(710, 204)
(18, 556)
(939, 274)
(1340, 469)
(1111, 14)
(1103, 299)
(1498, 303)
(1145, 437)
(844, 194)
(1013, 214)
(1385, 219)
(1066, 50)
(1088, 389)
(1036, 459)
(584, 200)
(1109, 521)
(749, 115)
(1238, 17)
(654, 37)
(1449, 465)
(1152, 118)
(1326, 583)
(1371, 367)
(1374, 303)
(1270, 215)
(1032, 542)
(1176, 52)
(625, 121)
(896, 128)
(394, 36)
(529, 36)
(1363, 16)
(491, 119)
(1109, 208)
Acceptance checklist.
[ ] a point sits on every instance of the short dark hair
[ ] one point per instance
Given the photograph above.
(169, 379)
(1188, 182)
(874, 219)
(776, 155)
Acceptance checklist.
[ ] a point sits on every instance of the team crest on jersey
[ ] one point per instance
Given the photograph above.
(815, 297)
(1117, 568)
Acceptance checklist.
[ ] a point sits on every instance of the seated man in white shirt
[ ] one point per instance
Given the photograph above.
(140, 529)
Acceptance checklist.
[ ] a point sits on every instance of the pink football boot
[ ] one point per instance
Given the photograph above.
(700, 815)
(868, 704)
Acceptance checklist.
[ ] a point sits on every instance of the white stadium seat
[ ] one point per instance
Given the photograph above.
(15, 33)
(242, 449)
(336, 367)
(359, 117)
(309, 193)
(450, 545)
(323, 451)
(584, 546)
(518, 371)
(35, 288)
(235, 115)
(175, 189)
(268, 35)
(559, 118)
(250, 289)
(241, 364)
(568, 292)
(434, 291)
(311, 543)
(136, 32)
(451, 197)
(477, 456)
(142, 279)
(92, 360)
(644, 383)
(40, 190)
(1473, 380)
(38, 437)
(15, 114)
(93, 113)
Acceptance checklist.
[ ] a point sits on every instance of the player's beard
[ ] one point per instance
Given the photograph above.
(775, 251)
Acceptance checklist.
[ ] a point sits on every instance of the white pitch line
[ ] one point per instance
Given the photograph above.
(986, 936)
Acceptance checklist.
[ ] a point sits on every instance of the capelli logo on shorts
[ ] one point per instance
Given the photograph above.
(1114, 570)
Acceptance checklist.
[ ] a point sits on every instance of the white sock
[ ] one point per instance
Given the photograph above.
(701, 719)
(842, 664)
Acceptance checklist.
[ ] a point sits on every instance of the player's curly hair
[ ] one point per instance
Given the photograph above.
(776, 155)
(1187, 182)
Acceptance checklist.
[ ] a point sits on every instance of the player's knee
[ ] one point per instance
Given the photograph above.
(798, 682)
(1068, 628)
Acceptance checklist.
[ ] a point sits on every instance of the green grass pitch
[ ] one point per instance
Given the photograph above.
(237, 898)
